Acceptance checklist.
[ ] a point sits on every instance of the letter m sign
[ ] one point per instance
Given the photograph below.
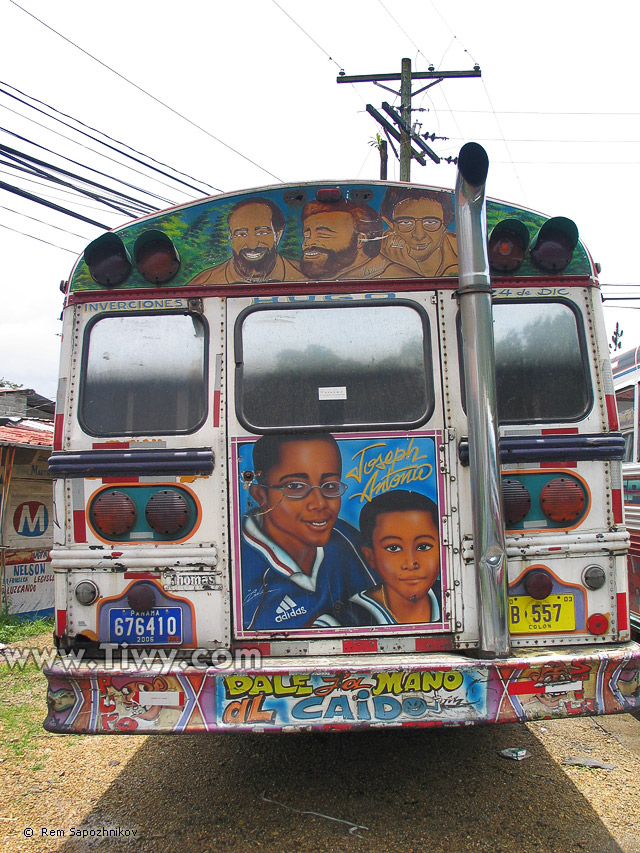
(31, 519)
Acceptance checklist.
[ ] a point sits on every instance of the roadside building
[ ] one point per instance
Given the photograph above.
(26, 504)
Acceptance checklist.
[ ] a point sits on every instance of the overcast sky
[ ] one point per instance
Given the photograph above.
(556, 108)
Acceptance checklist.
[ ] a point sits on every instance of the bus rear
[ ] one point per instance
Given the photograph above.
(282, 500)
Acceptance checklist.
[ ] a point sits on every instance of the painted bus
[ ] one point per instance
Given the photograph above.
(337, 455)
(626, 378)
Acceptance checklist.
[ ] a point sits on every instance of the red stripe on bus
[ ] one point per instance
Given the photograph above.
(121, 480)
(109, 445)
(563, 431)
(79, 526)
(61, 622)
(355, 646)
(612, 411)
(216, 408)
(433, 644)
(616, 503)
(623, 612)
(57, 432)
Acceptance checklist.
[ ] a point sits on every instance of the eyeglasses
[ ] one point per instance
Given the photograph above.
(296, 491)
(408, 223)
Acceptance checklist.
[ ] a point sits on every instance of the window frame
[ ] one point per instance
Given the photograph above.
(335, 306)
(86, 338)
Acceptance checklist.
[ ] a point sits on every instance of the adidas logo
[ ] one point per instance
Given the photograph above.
(287, 609)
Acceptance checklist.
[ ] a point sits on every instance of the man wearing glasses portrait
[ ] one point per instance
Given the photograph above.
(418, 237)
(298, 558)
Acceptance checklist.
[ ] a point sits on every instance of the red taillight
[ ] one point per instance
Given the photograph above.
(554, 245)
(108, 260)
(329, 194)
(597, 624)
(141, 598)
(113, 513)
(167, 512)
(156, 257)
(517, 501)
(507, 245)
(562, 500)
(538, 584)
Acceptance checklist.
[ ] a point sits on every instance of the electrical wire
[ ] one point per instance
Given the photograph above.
(42, 222)
(88, 135)
(83, 166)
(27, 159)
(39, 239)
(96, 152)
(38, 200)
(145, 92)
(310, 37)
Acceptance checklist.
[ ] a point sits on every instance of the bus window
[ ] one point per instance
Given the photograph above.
(625, 398)
(541, 367)
(333, 367)
(144, 374)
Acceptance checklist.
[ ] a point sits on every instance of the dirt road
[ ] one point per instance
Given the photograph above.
(399, 790)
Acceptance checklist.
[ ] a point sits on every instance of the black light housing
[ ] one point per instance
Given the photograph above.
(554, 244)
(108, 260)
(508, 243)
(156, 258)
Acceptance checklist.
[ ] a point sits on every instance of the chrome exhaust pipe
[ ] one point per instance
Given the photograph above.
(474, 292)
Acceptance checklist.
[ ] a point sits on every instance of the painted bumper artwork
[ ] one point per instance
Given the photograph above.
(83, 698)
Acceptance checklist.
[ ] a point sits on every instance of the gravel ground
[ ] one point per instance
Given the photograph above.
(446, 790)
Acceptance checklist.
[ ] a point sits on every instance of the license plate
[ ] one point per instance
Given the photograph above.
(531, 616)
(160, 626)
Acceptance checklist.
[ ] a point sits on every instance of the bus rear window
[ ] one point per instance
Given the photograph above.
(144, 375)
(333, 366)
(541, 366)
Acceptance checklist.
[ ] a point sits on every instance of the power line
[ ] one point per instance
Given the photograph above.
(144, 91)
(27, 160)
(42, 222)
(38, 200)
(99, 153)
(311, 38)
(83, 166)
(88, 135)
(39, 239)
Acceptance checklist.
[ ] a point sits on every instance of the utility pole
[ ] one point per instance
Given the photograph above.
(406, 135)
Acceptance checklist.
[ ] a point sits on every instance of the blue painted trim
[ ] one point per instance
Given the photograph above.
(555, 448)
(142, 462)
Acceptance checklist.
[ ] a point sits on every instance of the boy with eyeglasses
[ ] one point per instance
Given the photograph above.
(298, 558)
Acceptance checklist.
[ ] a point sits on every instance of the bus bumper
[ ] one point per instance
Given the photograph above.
(282, 694)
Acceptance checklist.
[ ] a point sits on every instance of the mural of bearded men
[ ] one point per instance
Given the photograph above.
(341, 241)
(255, 227)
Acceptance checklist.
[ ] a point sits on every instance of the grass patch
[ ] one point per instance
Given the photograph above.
(22, 708)
(14, 629)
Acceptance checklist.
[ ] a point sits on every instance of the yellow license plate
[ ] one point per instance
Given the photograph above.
(531, 616)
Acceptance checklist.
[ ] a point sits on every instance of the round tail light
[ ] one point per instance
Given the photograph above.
(141, 598)
(113, 513)
(507, 245)
(554, 245)
(156, 257)
(167, 512)
(562, 500)
(517, 501)
(538, 584)
(108, 260)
